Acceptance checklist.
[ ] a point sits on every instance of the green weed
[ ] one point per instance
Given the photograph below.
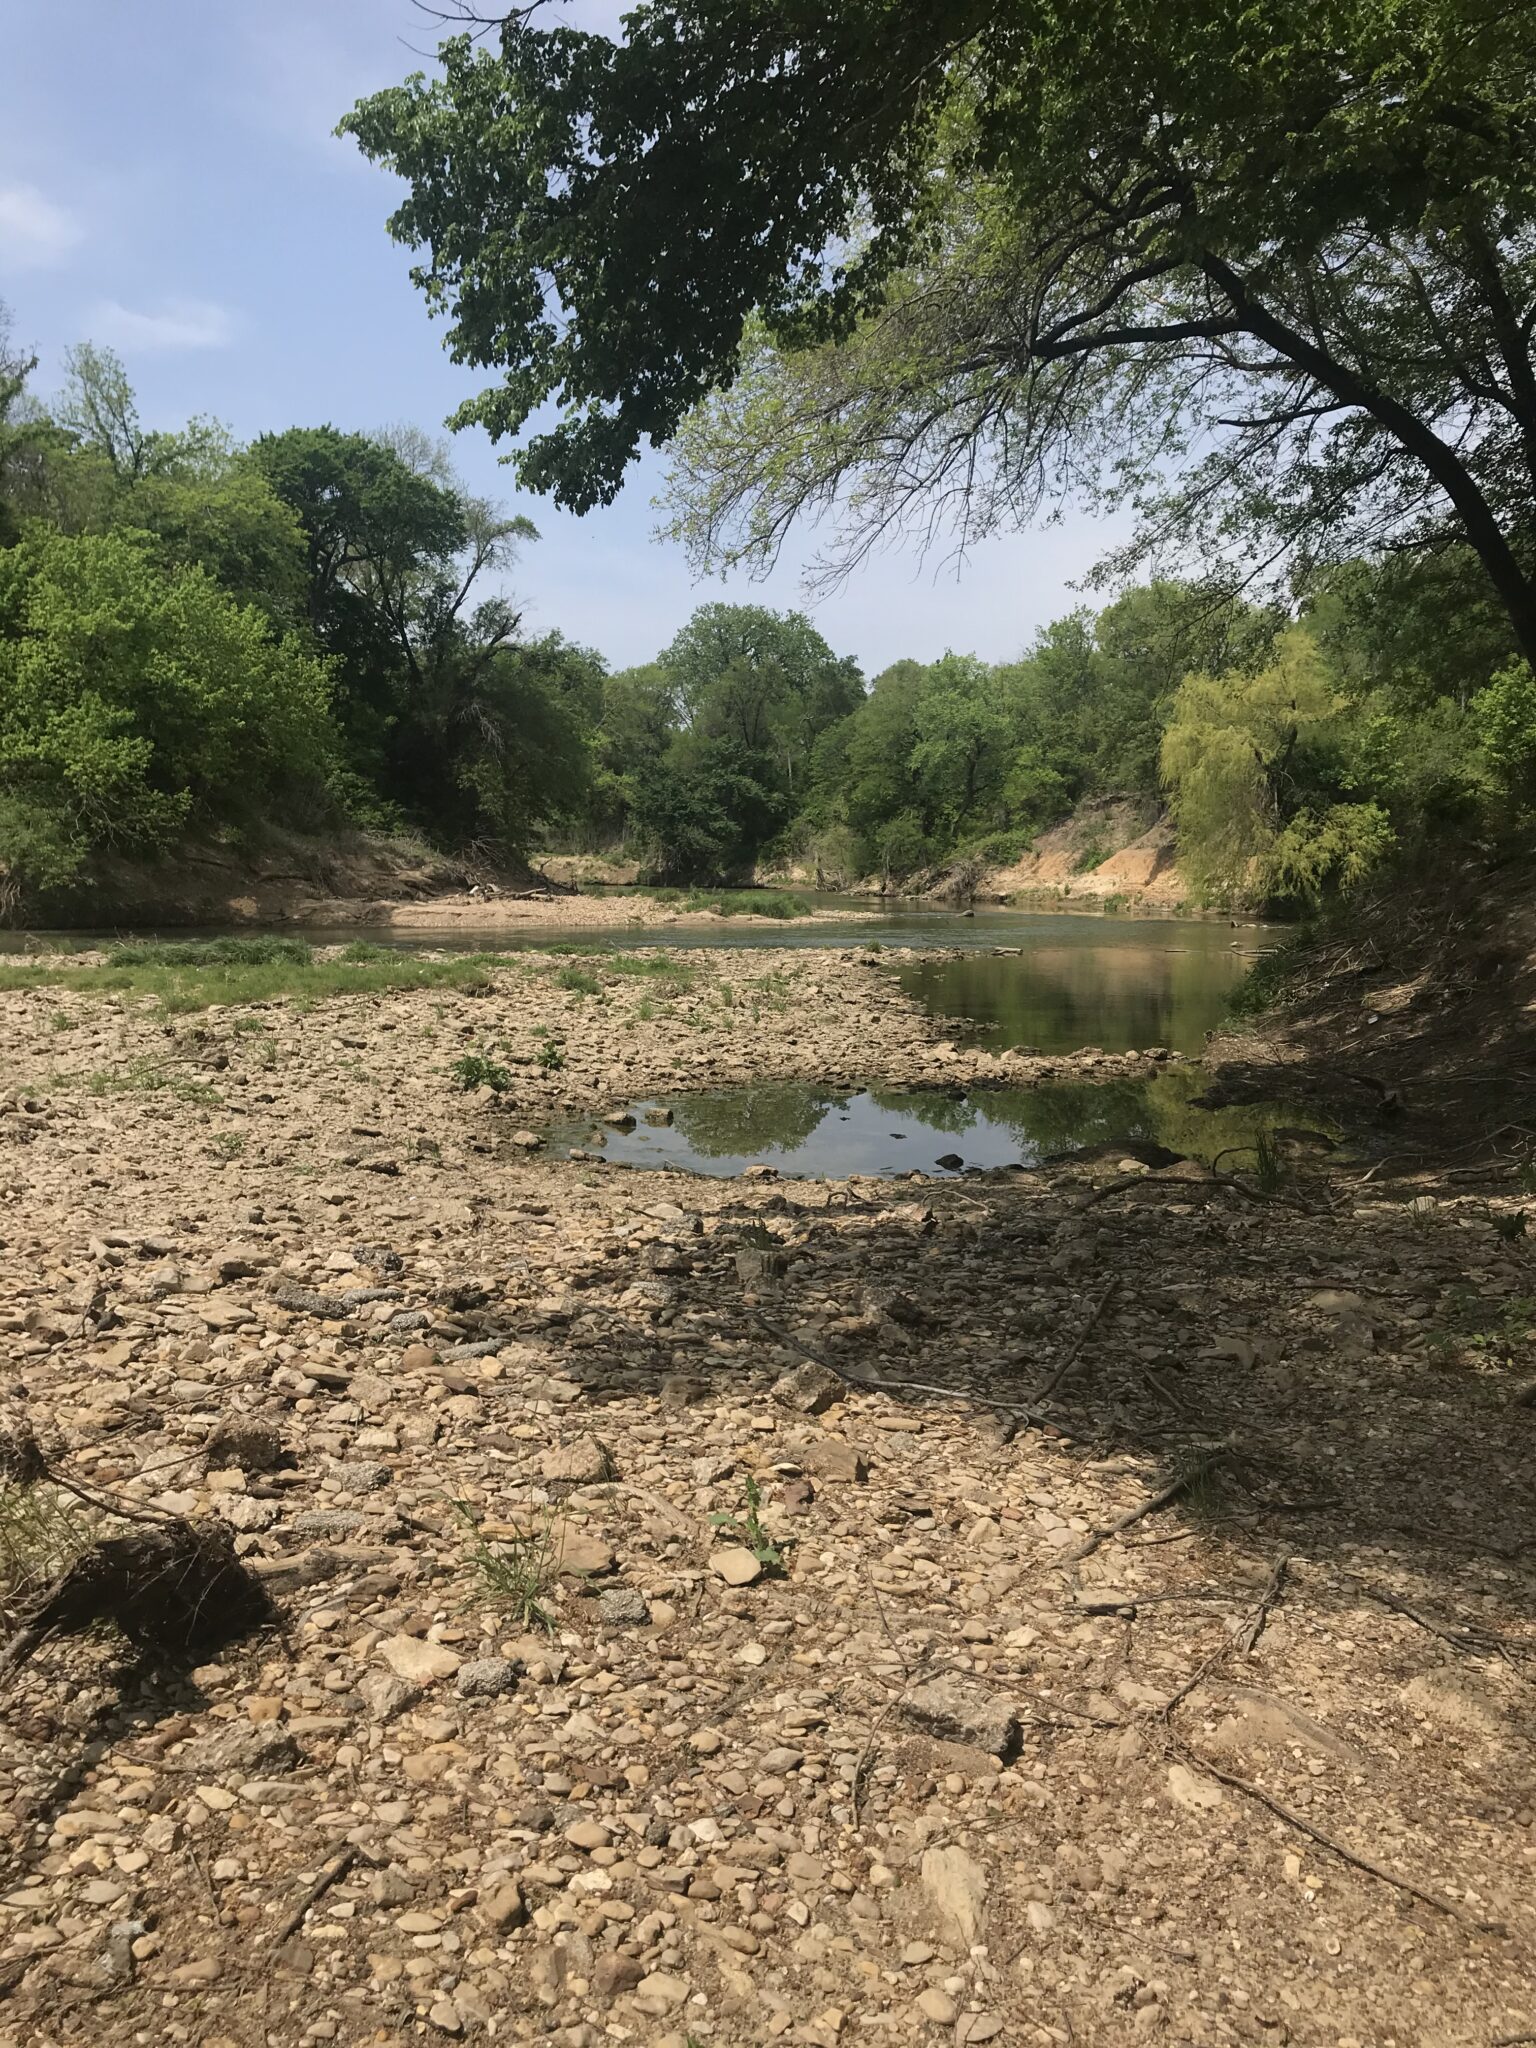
(475, 1071)
(579, 981)
(777, 903)
(747, 1529)
(227, 1144)
(196, 974)
(41, 1530)
(517, 1572)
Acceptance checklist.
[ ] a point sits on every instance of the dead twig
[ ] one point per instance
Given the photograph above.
(1340, 1849)
(1044, 1393)
(333, 1871)
(868, 1385)
(1255, 1627)
(1164, 1499)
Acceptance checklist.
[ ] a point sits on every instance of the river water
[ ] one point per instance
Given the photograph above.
(1055, 981)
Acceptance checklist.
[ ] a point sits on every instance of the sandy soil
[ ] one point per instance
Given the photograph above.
(515, 913)
(1150, 1656)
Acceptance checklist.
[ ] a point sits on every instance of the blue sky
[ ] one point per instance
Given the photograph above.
(169, 184)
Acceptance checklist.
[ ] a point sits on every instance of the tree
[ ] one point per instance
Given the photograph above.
(396, 561)
(766, 681)
(1251, 762)
(135, 701)
(963, 260)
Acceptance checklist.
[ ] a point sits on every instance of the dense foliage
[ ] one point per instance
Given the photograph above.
(310, 630)
(1270, 271)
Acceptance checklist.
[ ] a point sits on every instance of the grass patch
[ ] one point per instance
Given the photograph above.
(517, 1572)
(1263, 987)
(579, 981)
(41, 1531)
(195, 974)
(779, 903)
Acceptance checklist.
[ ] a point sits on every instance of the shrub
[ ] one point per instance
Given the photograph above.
(134, 698)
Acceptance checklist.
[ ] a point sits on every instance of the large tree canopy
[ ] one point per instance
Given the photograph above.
(960, 260)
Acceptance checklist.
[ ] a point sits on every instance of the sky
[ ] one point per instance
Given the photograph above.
(170, 186)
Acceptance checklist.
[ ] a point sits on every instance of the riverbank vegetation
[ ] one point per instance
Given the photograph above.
(311, 632)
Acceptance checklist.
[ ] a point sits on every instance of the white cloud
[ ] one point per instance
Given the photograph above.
(33, 229)
(179, 324)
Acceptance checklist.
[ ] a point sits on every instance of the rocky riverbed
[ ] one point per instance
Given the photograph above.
(1122, 1633)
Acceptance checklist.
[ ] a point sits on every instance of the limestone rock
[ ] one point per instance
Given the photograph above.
(736, 1565)
(417, 1661)
(957, 1712)
(957, 1885)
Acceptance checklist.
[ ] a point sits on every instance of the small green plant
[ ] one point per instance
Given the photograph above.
(227, 1144)
(61, 1020)
(747, 1529)
(473, 1070)
(145, 1076)
(517, 1572)
(250, 1027)
(366, 949)
(645, 1009)
(551, 1058)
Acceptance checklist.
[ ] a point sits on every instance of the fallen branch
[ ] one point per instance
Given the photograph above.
(1340, 1849)
(1166, 1498)
(335, 1869)
(1267, 1599)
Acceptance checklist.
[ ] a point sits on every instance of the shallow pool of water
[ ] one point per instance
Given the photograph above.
(1123, 986)
(813, 1132)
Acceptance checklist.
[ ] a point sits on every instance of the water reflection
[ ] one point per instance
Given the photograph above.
(820, 1133)
(1122, 993)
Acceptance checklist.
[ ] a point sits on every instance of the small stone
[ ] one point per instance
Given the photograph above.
(418, 1358)
(778, 1763)
(1186, 1789)
(659, 1994)
(964, 1713)
(482, 1678)
(588, 1834)
(586, 1462)
(827, 1458)
(979, 2026)
(622, 1607)
(738, 1567)
(205, 1970)
(937, 2006)
(503, 1908)
(809, 1389)
(957, 1884)
(385, 1694)
(583, 1556)
(446, 2017)
(417, 1661)
(613, 1975)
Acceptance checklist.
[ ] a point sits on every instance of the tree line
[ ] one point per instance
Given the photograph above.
(310, 630)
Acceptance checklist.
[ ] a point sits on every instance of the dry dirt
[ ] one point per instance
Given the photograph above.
(995, 1756)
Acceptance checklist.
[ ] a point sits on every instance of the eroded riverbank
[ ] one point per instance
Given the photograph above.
(986, 1758)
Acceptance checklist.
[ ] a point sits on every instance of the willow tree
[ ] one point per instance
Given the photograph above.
(1269, 272)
